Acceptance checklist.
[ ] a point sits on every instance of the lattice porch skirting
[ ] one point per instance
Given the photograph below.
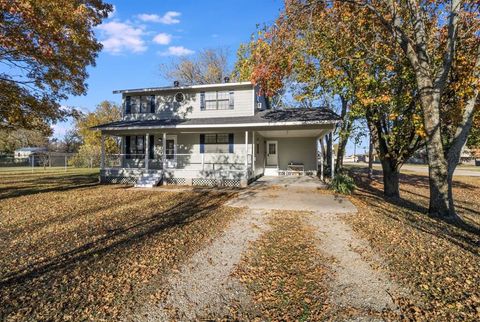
(122, 180)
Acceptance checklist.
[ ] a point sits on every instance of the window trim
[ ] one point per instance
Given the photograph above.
(229, 142)
(230, 100)
(150, 104)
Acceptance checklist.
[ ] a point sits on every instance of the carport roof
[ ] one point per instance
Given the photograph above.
(292, 116)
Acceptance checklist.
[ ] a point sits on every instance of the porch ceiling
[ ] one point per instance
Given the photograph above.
(294, 133)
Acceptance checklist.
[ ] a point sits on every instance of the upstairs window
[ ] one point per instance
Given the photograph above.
(139, 104)
(218, 100)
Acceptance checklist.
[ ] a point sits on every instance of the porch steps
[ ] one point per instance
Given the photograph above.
(148, 180)
(270, 171)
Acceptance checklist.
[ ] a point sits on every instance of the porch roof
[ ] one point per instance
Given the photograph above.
(285, 117)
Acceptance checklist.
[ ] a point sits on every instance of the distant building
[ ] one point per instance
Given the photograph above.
(25, 153)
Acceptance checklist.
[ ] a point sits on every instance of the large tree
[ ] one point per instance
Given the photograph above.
(205, 67)
(89, 150)
(440, 39)
(328, 49)
(10, 140)
(45, 47)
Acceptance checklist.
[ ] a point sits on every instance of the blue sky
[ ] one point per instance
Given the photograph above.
(141, 35)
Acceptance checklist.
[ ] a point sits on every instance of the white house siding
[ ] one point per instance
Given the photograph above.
(167, 108)
(301, 150)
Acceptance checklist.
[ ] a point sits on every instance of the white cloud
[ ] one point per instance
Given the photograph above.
(162, 38)
(120, 37)
(169, 18)
(177, 51)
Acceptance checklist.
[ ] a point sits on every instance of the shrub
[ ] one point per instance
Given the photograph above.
(342, 183)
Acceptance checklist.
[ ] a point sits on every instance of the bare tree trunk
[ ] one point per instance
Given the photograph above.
(437, 162)
(344, 134)
(391, 177)
(370, 158)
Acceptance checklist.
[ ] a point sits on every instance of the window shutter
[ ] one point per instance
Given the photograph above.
(152, 104)
(230, 143)
(151, 144)
(128, 105)
(202, 101)
(231, 99)
(202, 143)
(127, 146)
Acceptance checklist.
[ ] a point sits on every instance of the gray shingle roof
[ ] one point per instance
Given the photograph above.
(314, 115)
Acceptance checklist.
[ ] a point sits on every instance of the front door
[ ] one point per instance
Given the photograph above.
(272, 153)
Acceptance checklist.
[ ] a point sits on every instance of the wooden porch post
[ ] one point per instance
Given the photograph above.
(332, 156)
(102, 157)
(147, 150)
(164, 152)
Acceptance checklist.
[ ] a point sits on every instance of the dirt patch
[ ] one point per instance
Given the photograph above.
(203, 286)
(358, 282)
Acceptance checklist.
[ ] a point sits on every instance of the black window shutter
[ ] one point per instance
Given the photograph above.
(128, 105)
(202, 101)
(231, 102)
(230, 143)
(202, 143)
(127, 146)
(151, 144)
(152, 104)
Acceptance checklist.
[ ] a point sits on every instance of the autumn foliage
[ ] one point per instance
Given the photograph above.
(45, 47)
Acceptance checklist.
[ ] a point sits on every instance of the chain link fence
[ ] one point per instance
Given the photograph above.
(52, 161)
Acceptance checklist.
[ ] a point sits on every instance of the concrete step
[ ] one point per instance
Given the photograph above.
(148, 180)
(270, 171)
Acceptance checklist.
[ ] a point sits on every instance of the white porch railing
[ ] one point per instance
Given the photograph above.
(185, 162)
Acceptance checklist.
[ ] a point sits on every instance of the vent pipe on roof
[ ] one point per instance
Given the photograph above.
(226, 79)
(176, 84)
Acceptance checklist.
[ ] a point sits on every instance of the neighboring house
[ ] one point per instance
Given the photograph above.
(215, 134)
(25, 153)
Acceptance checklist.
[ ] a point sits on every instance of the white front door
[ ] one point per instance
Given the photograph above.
(171, 151)
(272, 153)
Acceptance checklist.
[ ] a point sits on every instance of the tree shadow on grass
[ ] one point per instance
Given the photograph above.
(47, 184)
(120, 238)
(462, 233)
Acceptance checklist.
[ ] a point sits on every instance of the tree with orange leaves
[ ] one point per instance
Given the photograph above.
(331, 49)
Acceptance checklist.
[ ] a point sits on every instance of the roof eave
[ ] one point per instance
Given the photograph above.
(172, 88)
(210, 126)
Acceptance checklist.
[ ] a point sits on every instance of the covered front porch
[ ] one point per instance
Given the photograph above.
(216, 156)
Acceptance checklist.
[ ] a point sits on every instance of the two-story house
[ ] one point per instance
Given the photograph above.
(216, 134)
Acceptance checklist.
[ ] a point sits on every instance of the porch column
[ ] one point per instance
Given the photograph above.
(246, 154)
(332, 165)
(322, 150)
(147, 150)
(164, 152)
(254, 143)
(122, 151)
(102, 157)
